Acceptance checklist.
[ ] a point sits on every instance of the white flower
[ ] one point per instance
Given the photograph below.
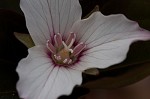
(65, 46)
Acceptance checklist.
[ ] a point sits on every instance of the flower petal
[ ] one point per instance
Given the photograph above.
(107, 38)
(46, 17)
(39, 79)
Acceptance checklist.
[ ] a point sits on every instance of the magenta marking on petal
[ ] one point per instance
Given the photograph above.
(78, 49)
(50, 47)
(70, 38)
(58, 39)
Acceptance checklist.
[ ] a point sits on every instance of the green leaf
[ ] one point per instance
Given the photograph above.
(94, 10)
(25, 39)
(92, 71)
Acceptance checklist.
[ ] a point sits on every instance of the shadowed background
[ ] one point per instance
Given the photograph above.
(133, 69)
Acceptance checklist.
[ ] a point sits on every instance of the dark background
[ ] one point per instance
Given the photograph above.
(11, 50)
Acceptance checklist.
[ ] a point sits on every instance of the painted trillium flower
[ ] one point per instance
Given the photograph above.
(65, 46)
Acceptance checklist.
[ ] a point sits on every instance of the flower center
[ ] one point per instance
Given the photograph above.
(64, 52)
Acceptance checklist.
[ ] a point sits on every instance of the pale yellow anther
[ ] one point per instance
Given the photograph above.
(65, 61)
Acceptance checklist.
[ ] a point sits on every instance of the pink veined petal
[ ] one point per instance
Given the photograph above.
(107, 38)
(104, 55)
(98, 29)
(63, 83)
(39, 79)
(46, 17)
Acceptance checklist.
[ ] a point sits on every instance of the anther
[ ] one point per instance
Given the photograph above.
(71, 43)
(78, 49)
(70, 61)
(58, 57)
(50, 47)
(71, 50)
(58, 39)
(71, 36)
(65, 60)
(55, 56)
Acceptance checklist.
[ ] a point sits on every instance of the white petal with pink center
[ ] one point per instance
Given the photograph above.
(46, 17)
(40, 79)
(67, 45)
(107, 39)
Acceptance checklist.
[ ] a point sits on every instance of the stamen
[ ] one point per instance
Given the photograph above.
(58, 39)
(64, 52)
(55, 56)
(71, 50)
(71, 43)
(78, 49)
(50, 47)
(58, 57)
(65, 46)
(65, 61)
(69, 39)
(70, 61)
